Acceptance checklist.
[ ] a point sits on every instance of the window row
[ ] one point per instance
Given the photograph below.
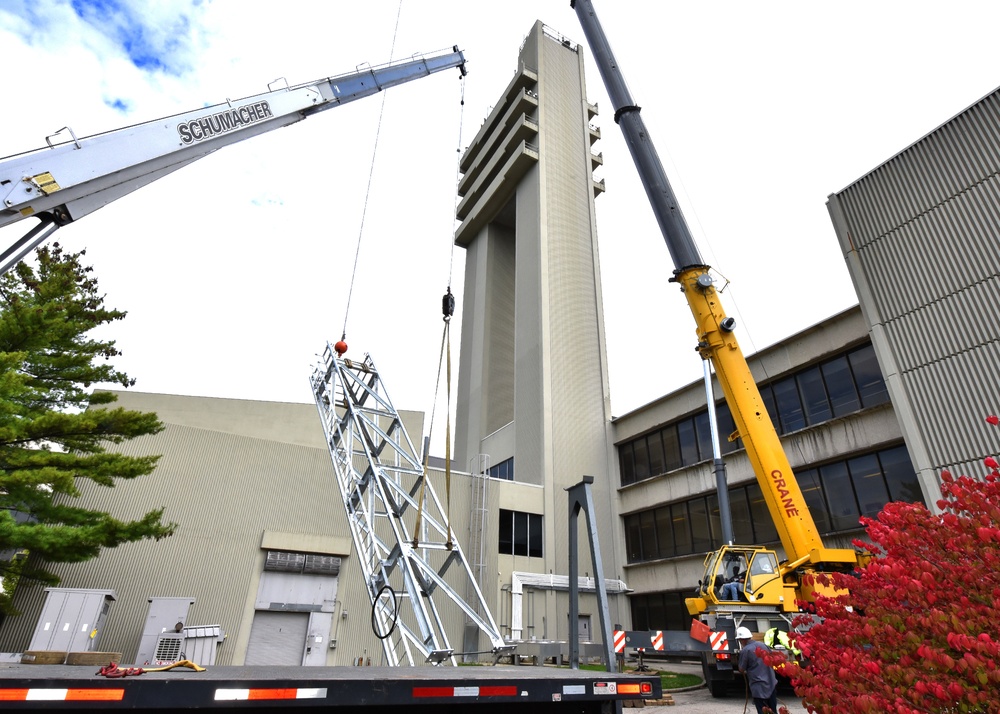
(837, 495)
(504, 470)
(841, 385)
(520, 533)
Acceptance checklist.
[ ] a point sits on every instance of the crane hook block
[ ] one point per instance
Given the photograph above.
(340, 347)
(448, 305)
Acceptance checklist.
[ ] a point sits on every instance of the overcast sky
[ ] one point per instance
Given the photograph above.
(235, 270)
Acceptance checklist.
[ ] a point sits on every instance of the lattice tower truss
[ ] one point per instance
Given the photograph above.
(413, 578)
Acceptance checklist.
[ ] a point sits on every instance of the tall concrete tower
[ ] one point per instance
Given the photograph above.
(533, 399)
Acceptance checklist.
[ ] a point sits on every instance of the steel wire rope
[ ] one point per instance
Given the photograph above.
(448, 310)
(368, 188)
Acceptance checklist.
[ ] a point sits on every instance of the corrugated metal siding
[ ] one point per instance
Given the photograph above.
(926, 229)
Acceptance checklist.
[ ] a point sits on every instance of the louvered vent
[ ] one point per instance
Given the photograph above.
(322, 564)
(285, 562)
(168, 647)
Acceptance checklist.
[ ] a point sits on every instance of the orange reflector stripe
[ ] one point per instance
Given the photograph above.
(94, 695)
(261, 694)
(628, 688)
(272, 694)
(97, 694)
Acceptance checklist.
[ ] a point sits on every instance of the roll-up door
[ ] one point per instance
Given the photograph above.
(277, 638)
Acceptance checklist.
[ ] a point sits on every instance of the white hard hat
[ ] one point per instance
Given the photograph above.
(743, 633)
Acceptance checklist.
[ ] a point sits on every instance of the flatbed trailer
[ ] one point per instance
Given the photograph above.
(373, 690)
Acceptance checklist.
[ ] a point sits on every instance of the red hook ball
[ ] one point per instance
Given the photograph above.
(341, 348)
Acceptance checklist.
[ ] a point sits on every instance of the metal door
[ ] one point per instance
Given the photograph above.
(277, 638)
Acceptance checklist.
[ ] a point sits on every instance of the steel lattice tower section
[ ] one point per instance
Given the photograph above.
(382, 483)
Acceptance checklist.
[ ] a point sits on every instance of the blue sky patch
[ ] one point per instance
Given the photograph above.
(154, 42)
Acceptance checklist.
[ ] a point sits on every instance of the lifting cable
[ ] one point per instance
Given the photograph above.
(341, 346)
(448, 310)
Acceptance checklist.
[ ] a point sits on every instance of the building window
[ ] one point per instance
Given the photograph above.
(841, 385)
(520, 534)
(837, 494)
(503, 471)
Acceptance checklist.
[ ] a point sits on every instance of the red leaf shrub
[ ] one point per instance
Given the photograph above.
(919, 630)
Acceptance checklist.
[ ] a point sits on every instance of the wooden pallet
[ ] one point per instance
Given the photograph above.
(78, 658)
(665, 701)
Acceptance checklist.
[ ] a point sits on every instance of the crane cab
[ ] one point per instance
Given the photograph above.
(741, 575)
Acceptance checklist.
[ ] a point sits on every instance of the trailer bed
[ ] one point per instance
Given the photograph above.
(378, 690)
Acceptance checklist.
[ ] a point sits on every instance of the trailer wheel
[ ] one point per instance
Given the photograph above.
(718, 686)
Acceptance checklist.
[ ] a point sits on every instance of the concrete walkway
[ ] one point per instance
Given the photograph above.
(701, 701)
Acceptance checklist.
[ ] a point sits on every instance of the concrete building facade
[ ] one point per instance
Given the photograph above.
(533, 397)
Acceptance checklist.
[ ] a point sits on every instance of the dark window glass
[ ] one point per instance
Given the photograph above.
(703, 431)
(900, 475)
(627, 464)
(867, 376)
(701, 532)
(640, 612)
(648, 534)
(671, 448)
(688, 441)
(742, 527)
(786, 399)
(814, 399)
(869, 484)
(520, 533)
(534, 535)
(654, 444)
(641, 459)
(506, 540)
(844, 512)
(660, 611)
(763, 526)
(504, 470)
(657, 614)
(812, 491)
(682, 528)
(675, 612)
(633, 538)
(840, 386)
(664, 533)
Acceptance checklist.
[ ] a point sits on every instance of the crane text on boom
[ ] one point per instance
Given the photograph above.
(220, 123)
(786, 502)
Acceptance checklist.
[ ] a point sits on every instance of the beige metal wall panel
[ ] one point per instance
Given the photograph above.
(953, 158)
(921, 238)
(223, 490)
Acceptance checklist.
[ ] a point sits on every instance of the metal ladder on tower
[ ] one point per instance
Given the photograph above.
(479, 480)
(386, 494)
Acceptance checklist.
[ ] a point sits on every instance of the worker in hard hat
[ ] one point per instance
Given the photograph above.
(760, 677)
(779, 639)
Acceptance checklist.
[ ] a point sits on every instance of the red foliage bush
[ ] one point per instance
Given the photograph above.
(919, 630)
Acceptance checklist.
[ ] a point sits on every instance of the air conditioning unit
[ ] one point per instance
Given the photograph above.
(169, 646)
